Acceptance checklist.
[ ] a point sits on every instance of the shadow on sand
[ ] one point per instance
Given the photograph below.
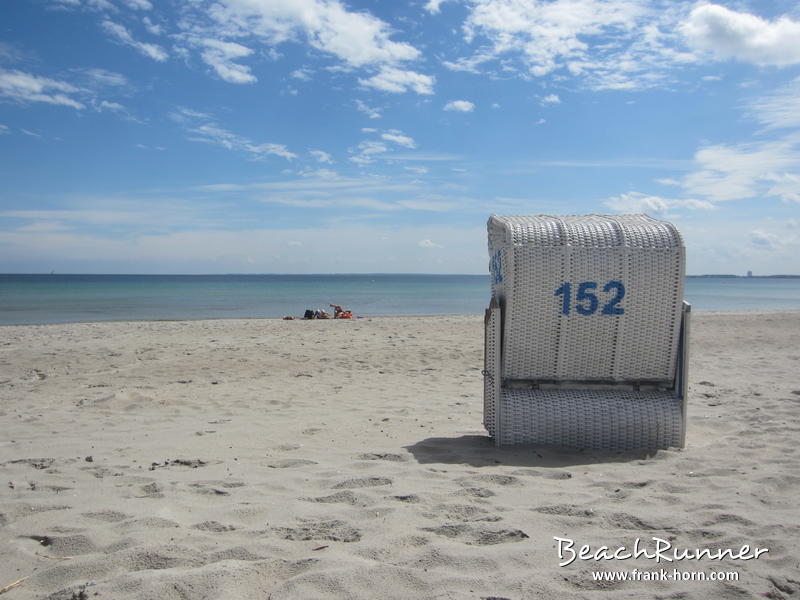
(480, 451)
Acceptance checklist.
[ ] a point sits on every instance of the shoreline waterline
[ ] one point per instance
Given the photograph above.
(755, 313)
(40, 299)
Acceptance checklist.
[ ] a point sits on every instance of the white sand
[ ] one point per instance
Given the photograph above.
(275, 459)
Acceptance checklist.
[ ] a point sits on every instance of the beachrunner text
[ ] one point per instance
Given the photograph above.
(661, 550)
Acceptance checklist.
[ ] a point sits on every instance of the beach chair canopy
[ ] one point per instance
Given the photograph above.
(586, 331)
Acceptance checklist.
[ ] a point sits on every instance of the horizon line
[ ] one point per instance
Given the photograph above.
(53, 273)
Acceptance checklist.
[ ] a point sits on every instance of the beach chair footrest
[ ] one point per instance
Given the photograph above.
(591, 419)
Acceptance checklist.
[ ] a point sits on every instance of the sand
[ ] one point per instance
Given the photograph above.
(335, 459)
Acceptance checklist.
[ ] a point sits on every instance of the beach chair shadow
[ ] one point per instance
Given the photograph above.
(586, 336)
(481, 451)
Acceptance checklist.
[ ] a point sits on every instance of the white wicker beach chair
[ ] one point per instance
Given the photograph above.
(587, 332)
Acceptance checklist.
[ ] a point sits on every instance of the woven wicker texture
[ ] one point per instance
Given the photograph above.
(491, 371)
(533, 257)
(596, 231)
(599, 420)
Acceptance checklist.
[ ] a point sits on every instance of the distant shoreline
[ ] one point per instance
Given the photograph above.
(708, 312)
(747, 276)
(705, 275)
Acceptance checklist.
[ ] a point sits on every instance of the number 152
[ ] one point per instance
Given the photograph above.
(586, 300)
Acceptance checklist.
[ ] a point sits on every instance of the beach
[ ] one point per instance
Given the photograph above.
(277, 459)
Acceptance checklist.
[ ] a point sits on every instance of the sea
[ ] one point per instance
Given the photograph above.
(55, 298)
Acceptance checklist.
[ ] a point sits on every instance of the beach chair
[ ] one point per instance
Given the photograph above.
(587, 332)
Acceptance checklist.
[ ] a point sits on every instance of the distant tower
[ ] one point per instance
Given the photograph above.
(749, 273)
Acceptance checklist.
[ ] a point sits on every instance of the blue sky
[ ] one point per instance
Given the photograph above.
(319, 136)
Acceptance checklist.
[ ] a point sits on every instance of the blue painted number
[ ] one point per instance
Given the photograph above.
(564, 290)
(586, 300)
(611, 307)
(496, 268)
(583, 296)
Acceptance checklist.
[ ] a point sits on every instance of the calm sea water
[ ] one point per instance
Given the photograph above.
(68, 298)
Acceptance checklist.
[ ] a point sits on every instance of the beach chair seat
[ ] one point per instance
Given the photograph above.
(586, 333)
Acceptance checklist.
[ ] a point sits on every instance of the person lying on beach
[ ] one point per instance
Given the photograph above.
(341, 313)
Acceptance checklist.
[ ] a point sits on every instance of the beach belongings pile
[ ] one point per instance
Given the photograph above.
(338, 313)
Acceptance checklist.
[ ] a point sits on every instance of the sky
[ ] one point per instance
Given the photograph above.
(368, 136)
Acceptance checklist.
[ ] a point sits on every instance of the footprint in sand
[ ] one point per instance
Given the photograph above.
(335, 531)
(108, 516)
(151, 490)
(149, 523)
(362, 482)
(36, 463)
(345, 497)
(70, 545)
(213, 527)
(461, 512)
(565, 510)
(478, 535)
(289, 463)
(475, 492)
(410, 498)
(627, 521)
(382, 456)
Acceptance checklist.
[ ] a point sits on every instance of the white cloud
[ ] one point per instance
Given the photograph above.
(551, 99)
(101, 5)
(4, 130)
(202, 128)
(428, 244)
(785, 186)
(220, 56)
(152, 28)
(780, 109)
(183, 115)
(460, 106)
(366, 150)
(25, 87)
(746, 171)
(321, 156)
(122, 35)
(635, 202)
(301, 74)
(43, 226)
(372, 147)
(365, 248)
(98, 78)
(112, 106)
(764, 240)
(433, 6)
(319, 174)
(742, 36)
(216, 135)
(398, 81)
(398, 138)
(614, 44)
(139, 4)
(357, 38)
(93, 217)
(372, 113)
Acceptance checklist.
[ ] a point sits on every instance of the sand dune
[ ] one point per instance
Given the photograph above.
(335, 459)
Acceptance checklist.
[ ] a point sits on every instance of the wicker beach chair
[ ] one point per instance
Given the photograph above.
(587, 332)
